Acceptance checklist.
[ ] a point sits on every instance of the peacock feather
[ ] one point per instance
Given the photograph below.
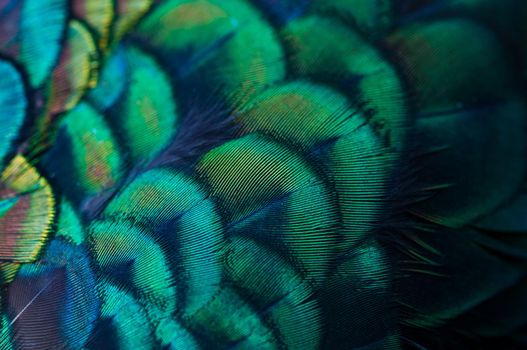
(263, 174)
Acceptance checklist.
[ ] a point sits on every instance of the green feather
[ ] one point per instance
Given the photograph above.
(361, 284)
(112, 80)
(372, 17)
(69, 225)
(99, 14)
(75, 72)
(147, 116)
(85, 154)
(174, 336)
(194, 232)
(274, 287)
(126, 315)
(5, 333)
(127, 14)
(13, 105)
(321, 122)
(124, 246)
(41, 18)
(215, 40)
(266, 189)
(227, 319)
(448, 68)
(300, 113)
(348, 61)
(471, 125)
(479, 162)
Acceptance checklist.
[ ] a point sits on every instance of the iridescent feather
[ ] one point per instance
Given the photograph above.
(262, 174)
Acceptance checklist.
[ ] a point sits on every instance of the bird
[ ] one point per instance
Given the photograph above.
(263, 174)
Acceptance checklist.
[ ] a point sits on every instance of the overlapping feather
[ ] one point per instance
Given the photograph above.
(195, 174)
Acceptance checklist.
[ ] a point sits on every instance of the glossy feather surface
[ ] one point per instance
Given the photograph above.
(262, 174)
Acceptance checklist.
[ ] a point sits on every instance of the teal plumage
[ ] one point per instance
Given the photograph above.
(260, 174)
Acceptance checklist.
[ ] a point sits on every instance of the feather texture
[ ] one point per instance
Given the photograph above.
(261, 174)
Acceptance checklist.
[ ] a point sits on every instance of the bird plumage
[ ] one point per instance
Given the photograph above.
(260, 174)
